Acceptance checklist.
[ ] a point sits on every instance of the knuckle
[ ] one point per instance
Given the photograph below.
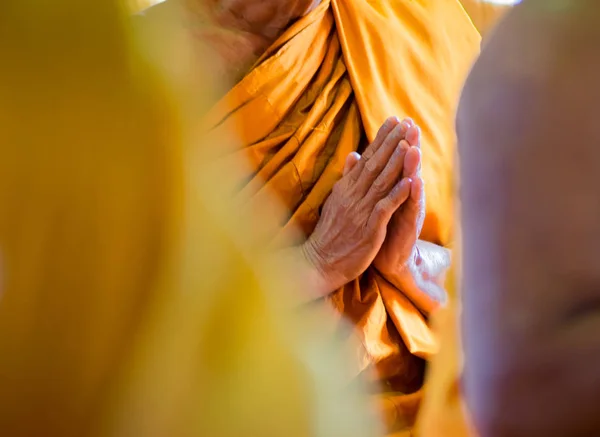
(371, 166)
(391, 142)
(380, 185)
(381, 208)
(339, 193)
(346, 202)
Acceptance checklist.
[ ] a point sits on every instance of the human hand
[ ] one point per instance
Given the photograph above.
(399, 248)
(356, 215)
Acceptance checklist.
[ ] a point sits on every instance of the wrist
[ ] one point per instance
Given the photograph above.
(317, 269)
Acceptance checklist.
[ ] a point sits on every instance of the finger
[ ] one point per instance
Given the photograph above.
(372, 168)
(390, 174)
(385, 208)
(414, 208)
(417, 192)
(383, 132)
(351, 160)
(390, 125)
(412, 161)
(413, 136)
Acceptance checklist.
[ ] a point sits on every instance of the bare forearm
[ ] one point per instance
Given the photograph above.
(422, 278)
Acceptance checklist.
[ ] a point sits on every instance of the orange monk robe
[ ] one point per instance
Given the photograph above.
(485, 14)
(321, 91)
(116, 315)
(443, 412)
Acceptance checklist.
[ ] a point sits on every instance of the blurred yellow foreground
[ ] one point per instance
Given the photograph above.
(130, 305)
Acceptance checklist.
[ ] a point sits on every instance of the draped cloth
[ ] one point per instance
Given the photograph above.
(485, 14)
(443, 412)
(118, 269)
(321, 91)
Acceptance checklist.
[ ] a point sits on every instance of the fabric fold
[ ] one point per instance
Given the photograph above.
(322, 91)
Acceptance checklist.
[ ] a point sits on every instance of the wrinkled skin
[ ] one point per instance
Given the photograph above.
(238, 32)
(406, 224)
(265, 18)
(355, 217)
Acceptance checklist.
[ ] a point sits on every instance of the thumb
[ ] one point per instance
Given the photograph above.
(386, 207)
(351, 160)
(414, 212)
